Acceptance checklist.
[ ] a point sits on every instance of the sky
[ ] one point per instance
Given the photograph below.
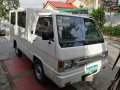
(38, 3)
(34, 3)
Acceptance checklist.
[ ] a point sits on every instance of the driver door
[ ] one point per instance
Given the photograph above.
(44, 49)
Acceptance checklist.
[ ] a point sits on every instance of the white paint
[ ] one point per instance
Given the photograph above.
(49, 54)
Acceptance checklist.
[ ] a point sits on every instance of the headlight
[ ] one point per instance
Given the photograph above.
(68, 64)
(62, 65)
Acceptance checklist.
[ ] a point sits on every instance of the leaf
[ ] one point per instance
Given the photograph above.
(99, 16)
(7, 5)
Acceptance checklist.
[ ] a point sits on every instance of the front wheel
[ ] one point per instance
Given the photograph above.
(39, 73)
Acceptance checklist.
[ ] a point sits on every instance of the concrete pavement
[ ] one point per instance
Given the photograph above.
(6, 52)
(6, 49)
(4, 83)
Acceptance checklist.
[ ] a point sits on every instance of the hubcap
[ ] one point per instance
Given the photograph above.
(38, 72)
(16, 51)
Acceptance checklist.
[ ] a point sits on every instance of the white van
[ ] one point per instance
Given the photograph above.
(64, 47)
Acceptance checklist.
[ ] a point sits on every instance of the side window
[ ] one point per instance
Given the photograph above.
(22, 19)
(91, 29)
(13, 16)
(44, 24)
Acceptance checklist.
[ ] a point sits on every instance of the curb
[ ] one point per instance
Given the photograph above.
(4, 82)
(112, 38)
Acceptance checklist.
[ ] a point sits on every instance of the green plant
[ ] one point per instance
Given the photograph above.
(111, 30)
(99, 16)
(7, 5)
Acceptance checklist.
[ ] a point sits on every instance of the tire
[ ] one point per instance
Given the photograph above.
(39, 72)
(18, 52)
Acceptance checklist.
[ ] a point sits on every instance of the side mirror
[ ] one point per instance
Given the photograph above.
(47, 35)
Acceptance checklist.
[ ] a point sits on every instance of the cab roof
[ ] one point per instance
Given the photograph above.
(51, 12)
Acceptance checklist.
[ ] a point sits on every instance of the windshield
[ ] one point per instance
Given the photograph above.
(77, 31)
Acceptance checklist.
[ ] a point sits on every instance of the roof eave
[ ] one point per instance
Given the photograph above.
(68, 1)
(50, 4)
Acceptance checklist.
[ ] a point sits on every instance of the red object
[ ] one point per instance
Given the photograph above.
(61, 5)
(18, 65)
(30, 83)
(60, 63)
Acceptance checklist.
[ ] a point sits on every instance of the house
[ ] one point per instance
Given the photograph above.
(85, 3)
(52, 5)
(72, 4)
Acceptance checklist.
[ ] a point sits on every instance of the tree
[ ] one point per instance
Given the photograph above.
(2, 13)
(7, 5)
(99, 16)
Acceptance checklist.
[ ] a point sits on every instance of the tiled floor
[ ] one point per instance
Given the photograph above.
(18, 65)
(28, 83)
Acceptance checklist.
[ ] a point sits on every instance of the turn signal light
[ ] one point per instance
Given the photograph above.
(60, 66)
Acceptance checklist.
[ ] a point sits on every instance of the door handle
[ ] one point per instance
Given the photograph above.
(31, 32)
(34, 40)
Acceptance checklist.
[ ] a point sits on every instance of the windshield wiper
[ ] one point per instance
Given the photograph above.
(95, 41)
(72, 41)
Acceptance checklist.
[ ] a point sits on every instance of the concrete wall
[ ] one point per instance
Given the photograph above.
(87, 3)
(78, 3)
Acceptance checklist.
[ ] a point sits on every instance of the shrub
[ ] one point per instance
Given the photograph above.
(99, 16)
(111, 30)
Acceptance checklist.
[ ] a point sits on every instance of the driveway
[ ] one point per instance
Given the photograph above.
(17, 73)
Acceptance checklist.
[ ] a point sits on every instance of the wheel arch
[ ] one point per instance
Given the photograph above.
(37, 59)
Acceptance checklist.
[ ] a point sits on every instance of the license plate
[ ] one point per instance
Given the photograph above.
(92, 67)
(89, 78)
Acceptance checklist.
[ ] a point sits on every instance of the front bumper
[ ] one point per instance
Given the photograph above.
(63, 80)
